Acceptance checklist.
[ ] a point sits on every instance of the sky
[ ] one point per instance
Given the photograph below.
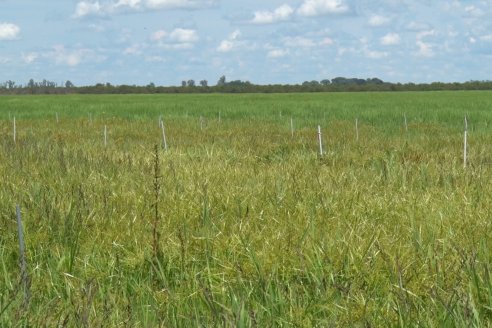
(264, 42)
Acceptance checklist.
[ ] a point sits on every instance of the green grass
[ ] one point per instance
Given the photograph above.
(253, 227)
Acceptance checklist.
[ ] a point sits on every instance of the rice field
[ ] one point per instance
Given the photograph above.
(241, 222)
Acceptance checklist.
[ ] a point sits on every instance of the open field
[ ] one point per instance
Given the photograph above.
(240, 223)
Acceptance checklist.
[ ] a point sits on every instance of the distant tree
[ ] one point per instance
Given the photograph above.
(325, 82)
(204, 83)
(69, 84)
(10, 84)
(151, 85)
(221, 81)
(183, 84)
(191, 83)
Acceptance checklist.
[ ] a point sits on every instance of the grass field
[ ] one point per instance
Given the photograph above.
(240, 223)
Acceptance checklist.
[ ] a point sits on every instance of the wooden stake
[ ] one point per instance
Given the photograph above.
(292, 127)
(164, 141)
(465, 144)
(320, 141)
(357, 129)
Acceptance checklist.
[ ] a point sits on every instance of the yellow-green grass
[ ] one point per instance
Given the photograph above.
(253, 227)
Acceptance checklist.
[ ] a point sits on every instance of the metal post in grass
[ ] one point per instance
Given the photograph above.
(164, 141)
(15, 130)
(405, 121)
(320, 141)
(292, 127)
(22, 256)
(357, 129)
(105, 136)
(465, 143)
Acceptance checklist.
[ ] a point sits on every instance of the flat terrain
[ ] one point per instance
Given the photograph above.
(240, 223)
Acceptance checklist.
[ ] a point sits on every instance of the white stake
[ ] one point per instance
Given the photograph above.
(357, 129)
(219, 116)
(164, 141)
(105, 136)
(465, 144)
(405, 121)
(320, 141)
(15, 130)
(160, 120)
(292, 127)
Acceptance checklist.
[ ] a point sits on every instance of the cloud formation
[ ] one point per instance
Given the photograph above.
(322, 7)
(9, 31)
(109, 7)
(282, 13)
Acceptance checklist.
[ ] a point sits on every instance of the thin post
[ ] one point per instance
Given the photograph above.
(15, 130)
(164, 141)
(292, 127)
(405, 121)
(320, 141)
(22, 256)
(219, 117)
(465, 144)
(201, 122)
(57, 121)
(357, 129)
(105, 136)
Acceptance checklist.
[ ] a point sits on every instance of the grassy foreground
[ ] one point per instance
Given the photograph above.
(241, 224)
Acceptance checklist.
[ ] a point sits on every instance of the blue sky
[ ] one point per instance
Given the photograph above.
(276, 41)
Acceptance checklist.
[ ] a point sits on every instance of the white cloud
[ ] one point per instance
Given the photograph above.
(179, 4)
(4, 60)
(425, 34)
(282, 13)
(486, 38)
(376, 54)
(225, 46)
(108, 7)
(85, 8)
(322, 7)
(29, 58)
(9, 31)
(378, 20)
(299, 42)
(158, 35)
(230, 43)
(390, 39)
(135, 49)
(473, 11)
(68, 57)
(277, 53)
(181, 35)
(425, 49)
(326, 42)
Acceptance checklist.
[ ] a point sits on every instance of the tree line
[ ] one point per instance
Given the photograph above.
(337, 84)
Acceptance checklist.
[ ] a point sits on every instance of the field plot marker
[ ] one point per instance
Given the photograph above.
(164, 141)
(219, 116)
(405, 121)
(357, 129)
(57, 120)
(15, 130)
(465, 143)
(105, 136)
(22, 255)
(201, 122)
(292, 127)
(320, 141)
